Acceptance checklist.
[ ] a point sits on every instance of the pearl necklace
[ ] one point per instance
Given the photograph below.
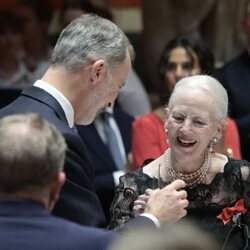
(191, 179)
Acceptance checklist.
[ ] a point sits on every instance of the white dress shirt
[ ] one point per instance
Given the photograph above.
(65, 104)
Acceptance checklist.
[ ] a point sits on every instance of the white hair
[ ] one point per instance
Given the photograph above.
(205, 82)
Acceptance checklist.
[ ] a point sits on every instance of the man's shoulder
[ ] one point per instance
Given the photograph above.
(35, 100)
(44, 231)
(82, 237)
(236, 62)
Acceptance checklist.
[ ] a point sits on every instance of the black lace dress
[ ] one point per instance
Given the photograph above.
(205, 201)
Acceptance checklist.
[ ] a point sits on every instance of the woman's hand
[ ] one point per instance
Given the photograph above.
(141, 203)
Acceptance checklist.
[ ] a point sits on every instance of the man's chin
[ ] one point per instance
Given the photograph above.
(85, 122)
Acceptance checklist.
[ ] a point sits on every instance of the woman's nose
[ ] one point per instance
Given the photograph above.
(179, 71)
(186, 125)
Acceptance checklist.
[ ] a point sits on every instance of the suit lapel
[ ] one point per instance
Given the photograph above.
(91, 137)
(44, 97)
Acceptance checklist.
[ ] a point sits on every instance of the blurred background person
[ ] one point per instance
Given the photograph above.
(13, 71)
(108, 140)
(235, 76)
(35, 17)
(183, 236)
(181, 57)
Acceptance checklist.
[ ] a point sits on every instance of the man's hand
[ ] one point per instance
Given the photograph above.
(168, 204)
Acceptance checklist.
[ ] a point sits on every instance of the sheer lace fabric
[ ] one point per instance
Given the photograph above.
(205, 201)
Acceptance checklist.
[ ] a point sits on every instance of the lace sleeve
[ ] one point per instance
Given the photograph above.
(130, 187)
(121, 209)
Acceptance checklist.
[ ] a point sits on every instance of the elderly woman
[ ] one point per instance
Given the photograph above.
(180, 58)
(196, 115)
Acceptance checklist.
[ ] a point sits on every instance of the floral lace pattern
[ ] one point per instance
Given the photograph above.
(205, 200)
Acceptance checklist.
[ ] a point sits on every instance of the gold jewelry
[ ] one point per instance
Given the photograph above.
(191, 179)
(229, 152)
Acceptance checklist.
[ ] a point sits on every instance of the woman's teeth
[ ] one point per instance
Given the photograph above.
(187, 141)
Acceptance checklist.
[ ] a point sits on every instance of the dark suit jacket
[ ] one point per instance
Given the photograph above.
(78, 201)
(235, 76)
(102, 160)
(26, 225)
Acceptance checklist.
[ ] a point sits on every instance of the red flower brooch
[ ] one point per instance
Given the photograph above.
(228, 212)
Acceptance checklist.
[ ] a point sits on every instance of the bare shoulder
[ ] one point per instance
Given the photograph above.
(152, 169)
(218, 162)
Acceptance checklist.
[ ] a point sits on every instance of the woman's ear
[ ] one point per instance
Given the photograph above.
(221, 128)
(98, 71)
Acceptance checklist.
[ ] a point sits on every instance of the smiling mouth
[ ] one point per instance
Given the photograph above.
(186, 143)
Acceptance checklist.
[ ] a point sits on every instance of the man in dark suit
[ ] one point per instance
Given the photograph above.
(32, 153)
(88, 66)
(235, 76)
(107, 172)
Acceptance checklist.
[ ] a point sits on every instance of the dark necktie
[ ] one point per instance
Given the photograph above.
(112, 141)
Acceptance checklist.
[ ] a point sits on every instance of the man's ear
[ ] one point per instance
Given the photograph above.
(98, 71)
(56, 188)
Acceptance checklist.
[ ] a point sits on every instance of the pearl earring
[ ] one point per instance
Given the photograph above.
(212, 143)
(215, 141)
(168, 141)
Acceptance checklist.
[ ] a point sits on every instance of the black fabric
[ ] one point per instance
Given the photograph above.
(26, 225)
(7, 95)
(78, 201)
(205, 201)
(235, 77)
(102, 160)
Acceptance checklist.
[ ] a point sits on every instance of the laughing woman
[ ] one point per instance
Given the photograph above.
(218, 187)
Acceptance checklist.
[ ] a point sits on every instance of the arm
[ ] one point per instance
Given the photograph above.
(166, 205)
(245, 174)
(121, 209)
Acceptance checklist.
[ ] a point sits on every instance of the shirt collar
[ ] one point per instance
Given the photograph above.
(65, 104)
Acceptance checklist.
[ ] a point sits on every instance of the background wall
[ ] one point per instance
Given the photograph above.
(151, 24)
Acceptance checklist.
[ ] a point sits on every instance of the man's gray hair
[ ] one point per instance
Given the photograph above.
(88, 38)
(32, 152)
(208, 83)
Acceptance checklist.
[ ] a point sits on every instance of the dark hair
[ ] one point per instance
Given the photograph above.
(205, 56)
(78, 4)
(191, 46)
(87, 7)
(10, 21)
(182, 42)
(42, 8)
